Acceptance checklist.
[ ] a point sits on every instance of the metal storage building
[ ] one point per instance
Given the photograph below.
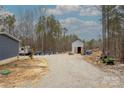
(9, 46)
(77, 47)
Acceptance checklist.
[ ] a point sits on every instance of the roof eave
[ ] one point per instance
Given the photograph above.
(4, 33)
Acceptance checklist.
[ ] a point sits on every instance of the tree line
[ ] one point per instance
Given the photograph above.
(113, 31)
(52, 35)
(38, 30)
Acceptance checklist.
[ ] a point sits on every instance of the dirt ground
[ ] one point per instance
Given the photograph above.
(117, 69)
(23, 71)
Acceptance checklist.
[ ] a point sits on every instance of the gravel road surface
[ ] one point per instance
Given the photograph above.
(71, 71)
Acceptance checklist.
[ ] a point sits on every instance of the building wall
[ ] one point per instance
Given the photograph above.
(74, 50)
(75, 46)
(8, 47)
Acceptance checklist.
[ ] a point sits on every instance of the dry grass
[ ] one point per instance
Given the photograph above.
(24, 70)
(93, 58)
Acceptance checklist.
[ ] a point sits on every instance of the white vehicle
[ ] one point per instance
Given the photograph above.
(24, 50)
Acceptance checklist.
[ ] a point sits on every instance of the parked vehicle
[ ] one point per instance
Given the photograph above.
(24, 50)
(47, 52)
(38, 53)
(88, 52)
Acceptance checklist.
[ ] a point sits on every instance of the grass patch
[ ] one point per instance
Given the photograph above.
(5, 72)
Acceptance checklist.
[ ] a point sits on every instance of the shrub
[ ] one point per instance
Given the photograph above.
(108, 60)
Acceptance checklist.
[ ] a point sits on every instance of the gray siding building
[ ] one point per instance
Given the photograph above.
(9, 46)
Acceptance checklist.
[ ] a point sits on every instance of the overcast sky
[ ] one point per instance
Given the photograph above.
(83, 21)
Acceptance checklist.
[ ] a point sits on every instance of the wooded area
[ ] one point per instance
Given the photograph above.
(44, 32)
(112, 31)
(37, 29)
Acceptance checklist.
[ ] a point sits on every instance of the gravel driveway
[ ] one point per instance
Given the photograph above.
(68, 71)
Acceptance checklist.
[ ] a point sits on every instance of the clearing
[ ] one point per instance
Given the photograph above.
(62, 71)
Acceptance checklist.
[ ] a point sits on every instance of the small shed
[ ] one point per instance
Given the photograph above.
(9, 46)
(77, 47)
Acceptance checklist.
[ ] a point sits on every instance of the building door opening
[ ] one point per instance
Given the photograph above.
(79, 50)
